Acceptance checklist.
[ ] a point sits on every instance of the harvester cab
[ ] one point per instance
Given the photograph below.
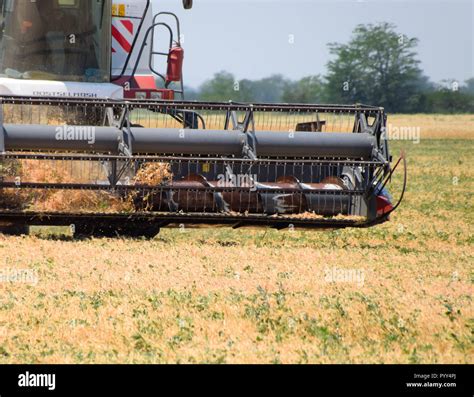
(89, 140)
(88, 49)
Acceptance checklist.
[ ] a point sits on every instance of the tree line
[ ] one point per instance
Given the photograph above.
(378, 66)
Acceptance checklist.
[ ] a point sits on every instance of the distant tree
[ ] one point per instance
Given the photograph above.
(469, 87)
(307, 90)
(191, 94)
(378, 66)
(222, 87)
(269, 89)
(448, 101)
(447, 96)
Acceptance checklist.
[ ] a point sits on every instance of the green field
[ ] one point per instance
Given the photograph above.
(218, 295)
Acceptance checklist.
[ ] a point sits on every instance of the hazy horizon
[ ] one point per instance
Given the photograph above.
(252, 39)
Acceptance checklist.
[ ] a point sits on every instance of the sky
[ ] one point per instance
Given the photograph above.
(258, 38)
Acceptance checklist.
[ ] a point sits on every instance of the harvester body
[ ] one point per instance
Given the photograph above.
(88, 139)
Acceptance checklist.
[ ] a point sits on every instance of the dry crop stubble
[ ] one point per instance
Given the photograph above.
(218, 295)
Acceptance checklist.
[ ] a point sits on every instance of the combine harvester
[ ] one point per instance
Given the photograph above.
(89, 139)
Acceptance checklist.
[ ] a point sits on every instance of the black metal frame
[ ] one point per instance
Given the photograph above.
(379, 167)
(166, 219)
(369, 111)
